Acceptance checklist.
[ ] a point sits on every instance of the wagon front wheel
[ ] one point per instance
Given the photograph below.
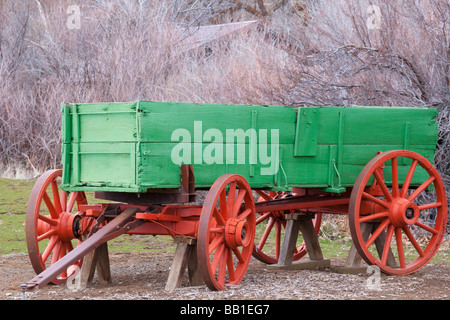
(226, 232)
(391, 196)
(52, 224)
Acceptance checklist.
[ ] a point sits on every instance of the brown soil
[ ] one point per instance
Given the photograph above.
(139, 276)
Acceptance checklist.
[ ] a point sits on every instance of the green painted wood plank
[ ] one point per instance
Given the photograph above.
(305, 144)
(158, 121)
(106, 122)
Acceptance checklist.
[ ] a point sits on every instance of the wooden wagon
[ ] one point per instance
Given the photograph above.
(270, 172)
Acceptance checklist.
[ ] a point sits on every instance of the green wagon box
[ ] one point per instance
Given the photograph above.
(139, 146)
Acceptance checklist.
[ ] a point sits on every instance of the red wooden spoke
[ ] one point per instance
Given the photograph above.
(374, 216)
(218, 216)
(50, 206)
(376, 200)
(71, 202)
(427, 228)
(223, 205)
(216, 258)
(421, 188)
(47, 234)
(245, 214)
(398, 212)
(408, 179)
(217, 230)
(413, 241)
(231, 199)
(238, 201)
(56, 197)
(401, 253)
(56, 251)
(264, 195)
(226, 232)
(387, 244)
(69, 246)
(264, 217)
(266, 233)
(49, 227)
(230, 266)
(377, 232)
(47, 219)
(48, 250)
(298, 250)
(430, 206)
(63, 200)
(395, 188)
(223, 266)
(215, 243)
(238, 255)
(382, 185)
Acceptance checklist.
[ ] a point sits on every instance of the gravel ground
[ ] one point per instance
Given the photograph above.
(138, 276)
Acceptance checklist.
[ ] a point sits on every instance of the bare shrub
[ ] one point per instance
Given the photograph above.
(123, 52)
(319, 53)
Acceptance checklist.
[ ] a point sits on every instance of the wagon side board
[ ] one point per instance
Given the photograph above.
(140, 146)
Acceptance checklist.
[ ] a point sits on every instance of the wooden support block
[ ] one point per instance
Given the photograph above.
(379, 244)
(195, 278)
(294, 223)
(178, 266)
(355, 263)
(87, 270)
(353, 258)
(103, 266)
(289, 242)
(311, 239)
(185, 255)
(97, 259)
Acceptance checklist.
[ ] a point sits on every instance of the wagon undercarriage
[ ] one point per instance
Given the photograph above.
(236, 222)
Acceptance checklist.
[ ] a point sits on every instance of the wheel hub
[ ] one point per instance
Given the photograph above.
(236, 233)
(404, 212)
(68, 226)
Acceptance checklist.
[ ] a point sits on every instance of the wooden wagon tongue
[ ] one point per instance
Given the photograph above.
(119, 225)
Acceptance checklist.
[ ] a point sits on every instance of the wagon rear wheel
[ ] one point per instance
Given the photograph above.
(270, 230)
(52, 224)
(226, 232)
(390, 193)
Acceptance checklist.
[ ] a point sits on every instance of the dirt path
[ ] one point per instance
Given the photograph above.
(142, 276)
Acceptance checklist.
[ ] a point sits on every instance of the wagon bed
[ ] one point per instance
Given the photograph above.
(128, 147)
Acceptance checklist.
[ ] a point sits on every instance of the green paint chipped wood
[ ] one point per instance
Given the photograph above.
(138, 146)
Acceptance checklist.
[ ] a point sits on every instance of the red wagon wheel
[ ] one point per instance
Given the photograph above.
(226, 232)
(52, 223)
(396, 211)
(270, 229)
